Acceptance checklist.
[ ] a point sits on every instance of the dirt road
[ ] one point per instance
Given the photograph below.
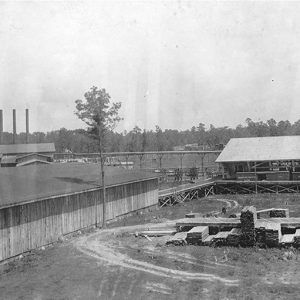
(113, 264)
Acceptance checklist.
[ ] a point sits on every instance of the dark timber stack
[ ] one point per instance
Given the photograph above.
(233, 238)
(179, 239)
(297, 238)
(273, 234)
(260, 236)
(248, 220)
(221, 238)
(280, 213)
(197, 235)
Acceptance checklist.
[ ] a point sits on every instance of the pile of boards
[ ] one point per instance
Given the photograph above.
(279, 213)
(233, 238)
(268, 234)
(297, 238)
(197, 235)
(248, 220)
(220, 238)
(247, 231)
(179, 239)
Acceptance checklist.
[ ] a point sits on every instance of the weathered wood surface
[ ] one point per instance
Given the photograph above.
(28, 226)
(209, 222)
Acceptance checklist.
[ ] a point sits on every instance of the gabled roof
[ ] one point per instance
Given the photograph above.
(261, 149)
(27, 148)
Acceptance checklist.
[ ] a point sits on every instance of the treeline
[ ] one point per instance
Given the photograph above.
(157, 140)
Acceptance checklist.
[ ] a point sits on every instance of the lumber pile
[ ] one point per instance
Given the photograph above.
(297, 238)
(268, 233)
(208, 240)
(248, 219)
(279, 213)
(179, 239)
(212, 221)
(233, 238)
(213, 230)
(273, 234)
(197, 235)
(220, 238)
(260, 236)
(287, 239)
(157, 232)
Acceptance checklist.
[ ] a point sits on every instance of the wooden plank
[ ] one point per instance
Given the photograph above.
(287, 239)
(209, 222)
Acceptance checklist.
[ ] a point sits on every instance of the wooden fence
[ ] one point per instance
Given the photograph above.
(27, 226)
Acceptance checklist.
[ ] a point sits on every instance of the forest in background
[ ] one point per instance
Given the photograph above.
(157, 140)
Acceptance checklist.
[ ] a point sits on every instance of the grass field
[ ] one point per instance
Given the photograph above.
(113, 264)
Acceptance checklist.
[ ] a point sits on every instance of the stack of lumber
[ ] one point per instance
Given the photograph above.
(233, 238)
(208, 240)
(221, 238)
(197, 235)
(287, 239)
(260, 236)
(213, 230)
(212, 221)
(179, 239)
(279, 213)
(297, 238)
(273, 234)
(268, 233)
(248, 219)
(157, 232)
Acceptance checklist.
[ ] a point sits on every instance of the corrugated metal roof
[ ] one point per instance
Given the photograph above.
(261, 149)
(27, 148)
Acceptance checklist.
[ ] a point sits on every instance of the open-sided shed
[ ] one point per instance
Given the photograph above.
(275, 158)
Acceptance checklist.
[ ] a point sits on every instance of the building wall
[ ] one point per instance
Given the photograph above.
(28, 226)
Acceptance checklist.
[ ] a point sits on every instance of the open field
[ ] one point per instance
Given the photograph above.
(114, 264)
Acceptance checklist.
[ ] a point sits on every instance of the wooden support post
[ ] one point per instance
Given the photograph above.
(202, 164)
(141, 158)
(255, 178)
(181, 158)
(126, 158)
(159, 156)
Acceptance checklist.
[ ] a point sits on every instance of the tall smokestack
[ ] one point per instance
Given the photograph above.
(1, 127)
(27, 126)
(14, 126)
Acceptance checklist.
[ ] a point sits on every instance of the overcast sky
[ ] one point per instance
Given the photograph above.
(174, 64)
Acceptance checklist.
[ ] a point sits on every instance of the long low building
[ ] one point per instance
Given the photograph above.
(39, 204)
(275, 158)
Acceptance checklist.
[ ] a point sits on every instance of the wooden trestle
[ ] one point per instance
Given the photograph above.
(253, 187)
(185, 193)
(189, 192)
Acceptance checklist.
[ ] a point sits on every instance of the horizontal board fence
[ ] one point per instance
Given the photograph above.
(27, 226)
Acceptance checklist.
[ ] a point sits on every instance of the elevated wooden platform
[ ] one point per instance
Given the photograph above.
(253, 187)
(205, 188)
(187, 192)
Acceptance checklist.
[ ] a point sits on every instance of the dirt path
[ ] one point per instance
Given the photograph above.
(99, 246)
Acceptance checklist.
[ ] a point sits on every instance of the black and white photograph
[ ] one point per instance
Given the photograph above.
(149, 150)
